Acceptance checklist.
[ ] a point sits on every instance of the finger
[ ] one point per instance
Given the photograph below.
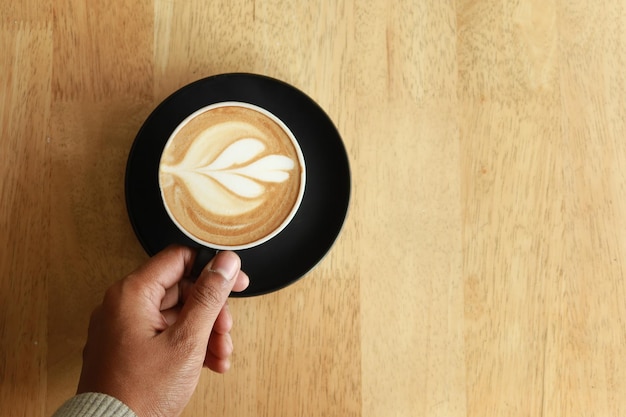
(208, 296)
(171, 316)
(163, 271)
(242, 282)
(220, 345)
(166, 267)
(181, 293)
(224, 322)
(216, 364)
(171, 297)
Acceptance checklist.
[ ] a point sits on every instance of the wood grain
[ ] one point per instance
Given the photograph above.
(25, 99)
(480, 271)
(543, 233)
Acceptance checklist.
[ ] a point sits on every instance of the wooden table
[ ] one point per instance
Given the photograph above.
(481, 268)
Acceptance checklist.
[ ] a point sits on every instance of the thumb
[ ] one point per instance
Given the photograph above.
(208, 295)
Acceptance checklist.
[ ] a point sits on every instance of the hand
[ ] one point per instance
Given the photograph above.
(153, 333)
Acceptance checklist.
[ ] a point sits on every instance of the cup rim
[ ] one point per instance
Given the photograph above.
(301, 189)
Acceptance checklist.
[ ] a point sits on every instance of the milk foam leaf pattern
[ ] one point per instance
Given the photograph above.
(242, 178)
(214, 198)
(272, 168)
(201, 150)
(237, 153)
(238, 184)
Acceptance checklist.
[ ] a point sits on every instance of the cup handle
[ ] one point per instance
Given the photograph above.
(203, 256)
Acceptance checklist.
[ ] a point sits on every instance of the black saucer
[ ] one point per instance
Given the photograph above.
(310, 235)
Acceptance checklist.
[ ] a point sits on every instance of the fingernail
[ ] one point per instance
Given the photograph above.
(226, 264)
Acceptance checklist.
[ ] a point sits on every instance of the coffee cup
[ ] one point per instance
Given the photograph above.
(183, 163)
(231, 176)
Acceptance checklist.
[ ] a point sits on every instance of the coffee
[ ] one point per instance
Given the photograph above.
(231, 176)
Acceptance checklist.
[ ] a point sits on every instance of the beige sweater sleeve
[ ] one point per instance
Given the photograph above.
(94, 404)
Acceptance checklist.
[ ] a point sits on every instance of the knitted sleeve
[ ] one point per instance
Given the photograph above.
(94, 404)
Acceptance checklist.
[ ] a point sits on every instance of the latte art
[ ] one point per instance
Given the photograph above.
(231, 176)
(230, 171)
